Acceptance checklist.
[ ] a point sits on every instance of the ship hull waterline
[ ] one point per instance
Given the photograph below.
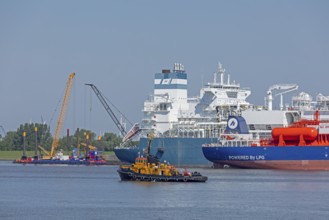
(273, 157)
(275, 164)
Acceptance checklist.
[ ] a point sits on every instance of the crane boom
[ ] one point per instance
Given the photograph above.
(108, 109)
(285, 88)
(61, 117)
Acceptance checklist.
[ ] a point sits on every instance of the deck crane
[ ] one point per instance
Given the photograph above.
(126, 135)
(61, 117)
(285, 88)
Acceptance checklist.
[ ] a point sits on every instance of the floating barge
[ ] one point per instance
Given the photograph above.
(30, 160)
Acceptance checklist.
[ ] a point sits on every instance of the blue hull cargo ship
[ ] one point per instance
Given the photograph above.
(181, 124)
(303, 145)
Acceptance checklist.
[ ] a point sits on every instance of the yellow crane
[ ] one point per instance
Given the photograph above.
(89, 146)
(61, 117)
(86, 146)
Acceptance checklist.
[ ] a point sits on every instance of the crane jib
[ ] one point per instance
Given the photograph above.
(62, 114)
(108, 109)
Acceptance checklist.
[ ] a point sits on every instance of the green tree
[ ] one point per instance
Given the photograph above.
(81, 137)
(110, 140)
(8, 142)
(44, 137)
(13, 140)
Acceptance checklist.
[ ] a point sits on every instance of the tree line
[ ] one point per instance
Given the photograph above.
(33, 135)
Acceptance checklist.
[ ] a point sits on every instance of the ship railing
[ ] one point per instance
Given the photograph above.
(225, 142)
(241, 143)
(149, 107)
(156, 98)
(200, 132)
(234, 143)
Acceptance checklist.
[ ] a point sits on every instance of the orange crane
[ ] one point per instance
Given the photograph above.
(61, 117)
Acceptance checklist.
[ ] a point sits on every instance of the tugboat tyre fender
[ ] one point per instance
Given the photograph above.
(185, 179)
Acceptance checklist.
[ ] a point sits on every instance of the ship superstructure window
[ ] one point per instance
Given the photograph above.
(268, 127)
(232, 94)
(163, 107)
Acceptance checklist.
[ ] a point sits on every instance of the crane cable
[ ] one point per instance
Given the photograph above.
(111, 105)
(118, 110)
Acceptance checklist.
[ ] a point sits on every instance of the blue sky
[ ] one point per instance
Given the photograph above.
(119, 45)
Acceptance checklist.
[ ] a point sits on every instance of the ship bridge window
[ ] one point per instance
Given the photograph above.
(251, 127)
(232, 94)
(163, 107)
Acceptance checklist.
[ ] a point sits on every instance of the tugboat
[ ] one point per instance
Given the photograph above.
(149, 168)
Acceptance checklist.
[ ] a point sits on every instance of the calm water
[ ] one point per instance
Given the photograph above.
(86, 192)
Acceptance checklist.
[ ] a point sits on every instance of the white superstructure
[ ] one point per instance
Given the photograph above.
(302, 102)
(305, 104)
(169, 112)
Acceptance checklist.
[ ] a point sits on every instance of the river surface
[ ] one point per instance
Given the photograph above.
(95, 192)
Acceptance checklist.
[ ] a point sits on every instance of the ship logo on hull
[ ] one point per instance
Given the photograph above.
(232, 123)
